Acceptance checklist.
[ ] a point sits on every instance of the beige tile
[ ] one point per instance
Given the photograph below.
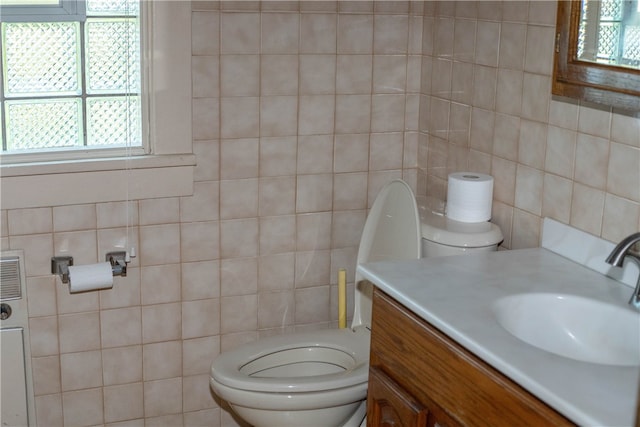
(81, 370)
(197, 354)
(509, 91)
(387, 112)
(561, 149)
(317, 74)
(79, 332)
(594, 120)
(482, 127)
(459, 123)
(462, 82)
(444, 36)
(506, 136)
(197, 394)
(353, 114)
(205, 33)
(316, 114)
(200, 241)
(526, 230)
(239, 198)
(487, 43)
(238, 313)
(620, 218)
(563, 112)
(174, 420)
(355, 34)
(556, 198)
(122, 365)
(312, 268)
(535, 97)
(277, 234)
(515, 11)
(386, 150)
(533, 143)
(239, 158)
(504, 175)
(484, 86)
(160, 284)
(205, 118)
(354, 74)
(540, 43)
(275, 309)
(200, 318)
(36, 247)
(205, 75)
(464, 40)
(81, 245)
(279, 75)
(74, 217)
(542, 12)
(276, 272)
(240, 33)
(502, 216)
(512, 45)
(46, 375)
(314, 193)
(623, 172)
(592, 156)
(587, 207)
(441, 76)
(239, 238)
(240, 117)
(158, 244)
(125, 291)
(350, 191)
(49, 410)
(208, 167)
(161, 322)
(529, 189)
(30, 221)
(200, 280)
(121, 327)
(280, 32)
(202, 205)
(238, 276)
(123, 402)
(278, 115)
(276, 196)
(625, 129)
(390, 35)
(83, 407)
(277, 156)
(163, 397)
(117, 214)
(44, 336)
(312, 305)
(351, 153)
(318, 33)
(41, 293)
(162, 360)
(347, 228)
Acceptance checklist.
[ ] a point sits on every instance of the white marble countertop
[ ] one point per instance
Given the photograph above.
(455, 294)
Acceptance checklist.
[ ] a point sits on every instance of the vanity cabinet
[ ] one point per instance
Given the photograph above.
(420, 377)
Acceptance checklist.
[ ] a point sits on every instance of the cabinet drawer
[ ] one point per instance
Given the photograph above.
(432, 368)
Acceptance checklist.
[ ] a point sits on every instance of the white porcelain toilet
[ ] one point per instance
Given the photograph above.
(320, 378)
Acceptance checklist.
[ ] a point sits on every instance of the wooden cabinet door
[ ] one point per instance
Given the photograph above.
(389, 405)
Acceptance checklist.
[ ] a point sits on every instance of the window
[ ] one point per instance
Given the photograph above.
(71, 76)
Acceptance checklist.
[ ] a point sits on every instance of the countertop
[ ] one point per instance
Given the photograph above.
(455, 294)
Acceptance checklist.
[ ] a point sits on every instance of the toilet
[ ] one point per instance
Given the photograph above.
(320, 377)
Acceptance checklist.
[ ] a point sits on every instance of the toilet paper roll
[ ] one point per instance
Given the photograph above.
(90, 277)
(469, 197)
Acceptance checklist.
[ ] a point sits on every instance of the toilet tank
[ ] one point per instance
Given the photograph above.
(442, 236)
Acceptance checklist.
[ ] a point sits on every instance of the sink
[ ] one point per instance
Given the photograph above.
(571, 326)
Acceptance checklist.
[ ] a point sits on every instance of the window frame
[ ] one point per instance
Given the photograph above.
(165, 171)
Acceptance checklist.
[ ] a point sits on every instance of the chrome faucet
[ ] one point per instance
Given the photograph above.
(617, 256)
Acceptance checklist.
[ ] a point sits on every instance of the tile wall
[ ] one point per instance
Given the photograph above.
(487, 107)
(301, 111)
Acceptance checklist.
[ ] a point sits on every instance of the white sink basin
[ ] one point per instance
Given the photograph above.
(571, 326)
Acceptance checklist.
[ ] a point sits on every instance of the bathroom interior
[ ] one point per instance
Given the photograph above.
(301, 111)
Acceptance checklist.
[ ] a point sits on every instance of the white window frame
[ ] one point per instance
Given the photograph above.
(167, 171)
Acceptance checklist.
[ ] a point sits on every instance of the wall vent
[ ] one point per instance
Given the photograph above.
(10, 280)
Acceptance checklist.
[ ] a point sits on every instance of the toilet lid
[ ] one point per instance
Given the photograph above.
(391, 233)
(436, 227)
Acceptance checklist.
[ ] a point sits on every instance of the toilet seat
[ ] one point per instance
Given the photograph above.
(312, 362)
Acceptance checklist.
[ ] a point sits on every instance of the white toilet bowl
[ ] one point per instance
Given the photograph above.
(303, 379)
(320, 378)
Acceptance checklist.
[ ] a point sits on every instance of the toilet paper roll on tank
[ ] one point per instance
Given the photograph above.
(469, 197)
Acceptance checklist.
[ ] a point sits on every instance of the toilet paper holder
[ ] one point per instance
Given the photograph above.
(60, 265)
(118, 261)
